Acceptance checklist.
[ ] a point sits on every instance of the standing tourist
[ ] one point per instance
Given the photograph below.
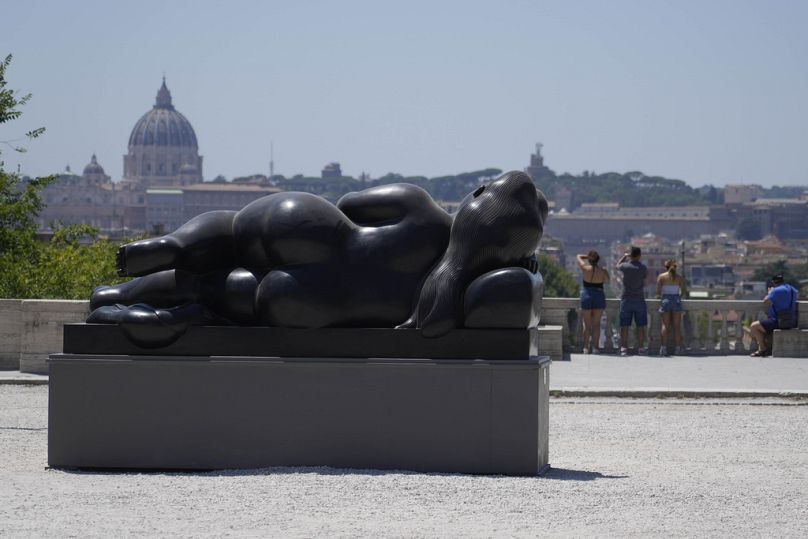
(782, 302)
(632, 302)
(593, 299)
(670, 287)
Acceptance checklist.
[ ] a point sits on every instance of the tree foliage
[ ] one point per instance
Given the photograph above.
(451, 188)
(629, 189)
(792, 274)
(558, 282)
(73, 262)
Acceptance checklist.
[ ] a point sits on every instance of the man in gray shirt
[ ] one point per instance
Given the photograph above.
(632, 302)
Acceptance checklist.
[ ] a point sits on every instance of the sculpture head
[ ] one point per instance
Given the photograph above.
(497, 226)
(506, 216)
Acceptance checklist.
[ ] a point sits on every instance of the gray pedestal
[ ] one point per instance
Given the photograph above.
(147, 412)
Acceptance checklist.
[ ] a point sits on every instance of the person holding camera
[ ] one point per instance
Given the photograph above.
(632, 301)
(782, 302)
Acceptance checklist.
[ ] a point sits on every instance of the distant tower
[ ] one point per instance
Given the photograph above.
(271, 159)
(331, 170)
(537, 169)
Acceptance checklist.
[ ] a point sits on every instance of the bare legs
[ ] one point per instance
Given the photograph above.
(667, 322)
(759, 334)
(591, 328)
(624, 336)
(672, 320)
(677, 329)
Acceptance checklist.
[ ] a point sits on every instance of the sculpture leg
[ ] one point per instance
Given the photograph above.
(231, 294)
(202, 244)
(162, 289)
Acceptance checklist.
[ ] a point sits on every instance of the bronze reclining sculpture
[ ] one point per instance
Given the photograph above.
(386, 257)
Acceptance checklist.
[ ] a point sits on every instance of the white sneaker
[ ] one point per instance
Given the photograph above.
(623, 351)
(663, 351)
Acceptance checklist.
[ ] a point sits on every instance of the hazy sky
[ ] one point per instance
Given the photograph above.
(705, 91)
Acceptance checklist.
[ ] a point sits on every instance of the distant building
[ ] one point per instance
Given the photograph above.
(750, 290)
(164, 210)
(92, 199)
(331, 170)
(741, 193)
(710, 275)
(594, 223)
(564, 198)
(168, 208)
(786, 218)
(162, 186)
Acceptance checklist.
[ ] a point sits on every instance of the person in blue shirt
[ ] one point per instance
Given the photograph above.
(782, 302)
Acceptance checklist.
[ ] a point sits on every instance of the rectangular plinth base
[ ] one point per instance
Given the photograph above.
(466, 416)
(321, 342)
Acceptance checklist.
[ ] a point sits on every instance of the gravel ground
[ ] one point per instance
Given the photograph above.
(620, 468)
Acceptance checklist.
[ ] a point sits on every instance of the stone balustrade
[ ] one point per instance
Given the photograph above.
(710, 327)
(32, 329)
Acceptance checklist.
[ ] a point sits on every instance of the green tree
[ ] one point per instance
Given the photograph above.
(558, 282)
(73, 262)
(19, 203)
(792, 274)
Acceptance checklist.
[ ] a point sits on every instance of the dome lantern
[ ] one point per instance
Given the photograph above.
(163, 100)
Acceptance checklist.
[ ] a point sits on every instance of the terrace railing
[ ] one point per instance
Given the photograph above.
(710, 327)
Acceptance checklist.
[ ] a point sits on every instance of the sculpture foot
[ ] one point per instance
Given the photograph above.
(409, 324)
(105, 295)
(148, 327)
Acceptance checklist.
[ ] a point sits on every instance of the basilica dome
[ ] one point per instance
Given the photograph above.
(94, 173)
(161, 143)
(93, 167)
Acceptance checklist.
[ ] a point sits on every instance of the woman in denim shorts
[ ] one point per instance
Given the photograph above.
(593, 299)
(670, 288)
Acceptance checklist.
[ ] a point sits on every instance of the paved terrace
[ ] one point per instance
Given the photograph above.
(635, 467)
(649, 376)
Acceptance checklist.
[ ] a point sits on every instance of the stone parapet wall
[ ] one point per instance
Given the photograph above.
(710, 327)
(31, 330)
(790, 343)
(10, 331)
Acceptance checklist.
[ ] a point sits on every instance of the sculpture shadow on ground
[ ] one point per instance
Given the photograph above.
(558, 474)
(564, 474)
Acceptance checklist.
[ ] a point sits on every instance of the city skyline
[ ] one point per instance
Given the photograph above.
(703, 93)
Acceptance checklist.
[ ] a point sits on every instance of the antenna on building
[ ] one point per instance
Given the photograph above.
(271, 159)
